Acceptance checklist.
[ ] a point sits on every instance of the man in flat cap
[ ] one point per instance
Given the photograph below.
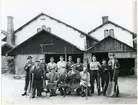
(37, 79)
(69, 63)
(113, 68)
(27, 68)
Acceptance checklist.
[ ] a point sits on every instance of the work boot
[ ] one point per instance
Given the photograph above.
(99, 92)
(24, 94)
(33, 96)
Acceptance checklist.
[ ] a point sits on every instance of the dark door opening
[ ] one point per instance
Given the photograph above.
(56, 57)
(101, 56)
(126, 66)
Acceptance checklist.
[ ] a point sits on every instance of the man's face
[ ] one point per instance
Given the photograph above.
(37, 63)
(29, 60)
(104, 62)
(42, 61)
(52, 59)
(61, 58)
(70, 58)
(94, 58)
(78, 60)
(111, 57)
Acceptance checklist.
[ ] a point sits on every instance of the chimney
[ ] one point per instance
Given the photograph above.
(105, 19)
(10, 31)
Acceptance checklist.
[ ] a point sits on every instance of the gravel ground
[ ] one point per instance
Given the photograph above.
(12, 90)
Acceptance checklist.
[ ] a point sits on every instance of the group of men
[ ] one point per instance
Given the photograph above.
(68, 77)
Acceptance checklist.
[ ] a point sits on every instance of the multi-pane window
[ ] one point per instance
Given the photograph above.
(38, 29)
(108, 32)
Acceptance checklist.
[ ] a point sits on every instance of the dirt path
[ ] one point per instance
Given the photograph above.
(12, 90)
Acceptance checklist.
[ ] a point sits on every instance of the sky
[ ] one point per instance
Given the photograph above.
(82, 14)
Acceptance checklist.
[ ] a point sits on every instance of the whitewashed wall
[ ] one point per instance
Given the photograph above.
(20, 61)
(58, 29)
(120, 34)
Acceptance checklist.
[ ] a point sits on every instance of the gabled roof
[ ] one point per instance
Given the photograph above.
(110, 22)
(4, 33)
(36, 35)
(105, 39)
(6, 44)
(20, 28)
(5, 47)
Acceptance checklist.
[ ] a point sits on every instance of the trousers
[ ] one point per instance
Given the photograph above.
(94, 75)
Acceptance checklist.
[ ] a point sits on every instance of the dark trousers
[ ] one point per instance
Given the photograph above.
(94, 75)
(105, 81)
(38, 91)
(37, 85)
(115, 77)
(27, 80)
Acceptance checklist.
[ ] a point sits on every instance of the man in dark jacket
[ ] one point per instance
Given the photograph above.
(113, 68)
(69, 63)
(27, 68)
(37, 79)
(79, 65)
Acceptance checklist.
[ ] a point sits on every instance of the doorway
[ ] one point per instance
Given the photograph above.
(101, 56)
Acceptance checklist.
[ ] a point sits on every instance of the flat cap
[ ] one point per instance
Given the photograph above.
(29, 57)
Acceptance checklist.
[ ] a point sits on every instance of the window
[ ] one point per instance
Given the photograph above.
(49, 29)
(43, 27)
(111, 32)
(38, 29)
(106, 33)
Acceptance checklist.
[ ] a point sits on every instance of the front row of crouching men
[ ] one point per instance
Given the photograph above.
(69, 77)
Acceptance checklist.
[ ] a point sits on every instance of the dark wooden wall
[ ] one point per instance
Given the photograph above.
(90, 42)
(4, 49)
(111, 45)
(32, 46)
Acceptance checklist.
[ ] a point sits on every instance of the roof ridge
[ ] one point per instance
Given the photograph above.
(57, 21)
(134, 34)
(49, 33)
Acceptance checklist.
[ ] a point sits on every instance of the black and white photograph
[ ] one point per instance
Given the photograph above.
(68, 52)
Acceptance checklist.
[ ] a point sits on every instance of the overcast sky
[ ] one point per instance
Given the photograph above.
(82, 14)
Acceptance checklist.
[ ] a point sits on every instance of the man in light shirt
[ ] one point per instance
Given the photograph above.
(85, 81)
(94, 74)
(61, 65)
(51, 65)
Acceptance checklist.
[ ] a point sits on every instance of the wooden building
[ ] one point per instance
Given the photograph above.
(45, 36)
(126, 54)
(43, 45)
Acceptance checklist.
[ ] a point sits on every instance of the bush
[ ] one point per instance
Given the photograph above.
(11, 65)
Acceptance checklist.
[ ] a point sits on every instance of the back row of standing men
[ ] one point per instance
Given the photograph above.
(94, 71)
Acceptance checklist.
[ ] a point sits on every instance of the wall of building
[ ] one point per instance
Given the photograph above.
(20, 61)
(57, 28)
(120, 34)
(87, 55)
(125, 54)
